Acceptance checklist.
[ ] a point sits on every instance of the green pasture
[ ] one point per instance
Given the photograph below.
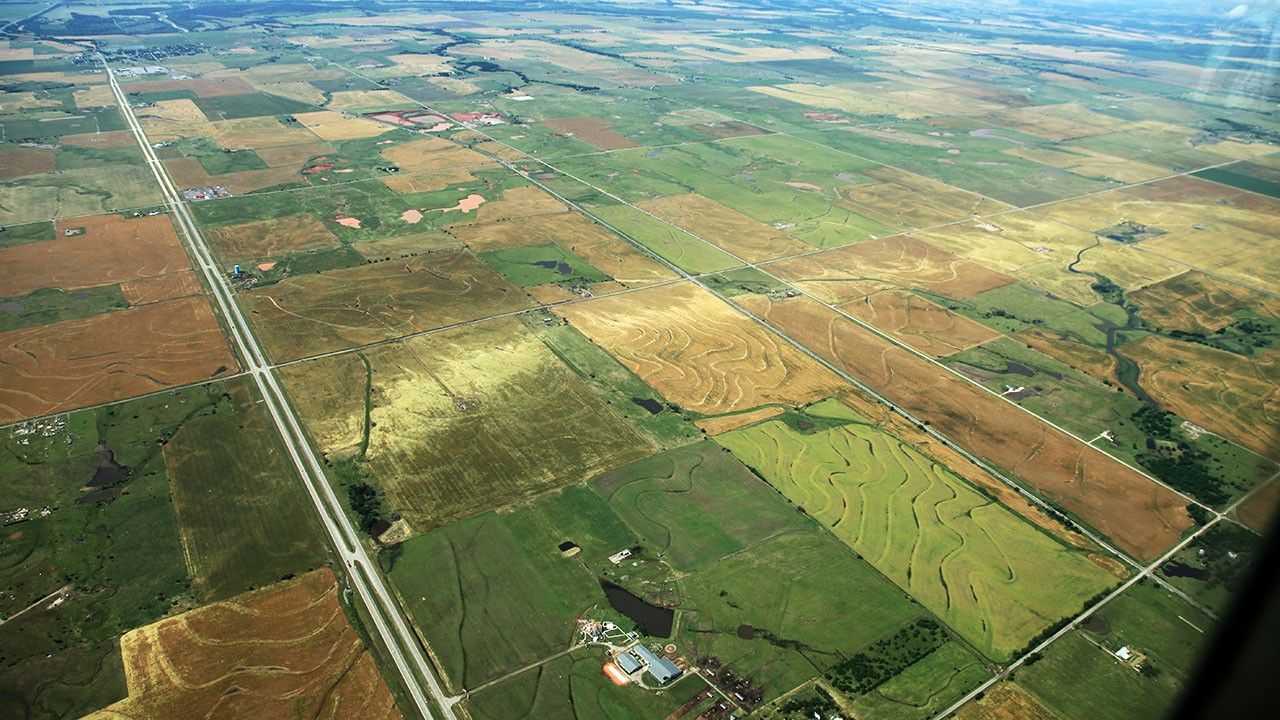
(543, 264)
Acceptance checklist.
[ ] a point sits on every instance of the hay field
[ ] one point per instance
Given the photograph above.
(1090, 163)
(356, 100)
(852, 272)
(923, 325)
(1198, 303)
(112, 249)
(724, 227)
(699, 352)
(1235, 396)
(903, 199)
(284, 651)
(242, 515)
(667, 241)
(428, 181)
(519, 202)
(74, 192)
(1006, 701)
(270, 238)
(319, 312)
(1142, 517)
(187, 172)
(724, 423)
(1065, 121)
(47, 368)
(459, 421)
(433, 153)
(997, 580)
(841, 98)
(329, 126)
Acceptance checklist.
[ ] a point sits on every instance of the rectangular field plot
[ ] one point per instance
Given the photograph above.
(925, 687)
(1141, 516)
(241, 512)
(695, 505)
(693, 348)
(923, 325)
(723, 227)
(671, 243)
(81, 191)
(973, 562)
(319, 312)
(575, 686)
(458, 420)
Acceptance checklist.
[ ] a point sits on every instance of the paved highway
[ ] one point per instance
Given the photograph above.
(388, 621)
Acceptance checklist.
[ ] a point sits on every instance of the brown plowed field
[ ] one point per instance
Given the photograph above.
(109, 139)
(270, 238)
(318, 312)
(51, 368)
(925, 326)
(286, 651)
(112, 249)
(591, 130)
(20, 161)
(1006, 702)
(161, 287)
(1141, 516)
(724, 227)
(1234, 396)
(841, 275)
(725, 423)
(699, 352)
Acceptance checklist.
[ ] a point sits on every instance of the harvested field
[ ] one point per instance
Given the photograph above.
(724, 227)
(319, 312)
(20, 161)
(46, 369)
(1011, 241)
(112, 249)
(852, 272)
(295, 90)
(1197, 303)
(255, 133)
(111, 139)
(432, 153)
(270, 238)
(356, 100)
(1090, 360)
(429, 181)
(329, 125)
(903, 199)
(1066, 121)
(1234, 396)
(1090, 163)
(699, 352)
(161, 287)
(519, 202)
(292, 155)
(455, 414)
(1140, 516)
(202, 86)
(839, 98)
(724, 423)
(286, 651)
(923, 325)
(994, 578)
(1260, 510)
(187, 172)
(591, 130)
(1006, 701)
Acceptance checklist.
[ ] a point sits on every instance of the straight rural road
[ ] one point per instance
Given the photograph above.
(388, 621)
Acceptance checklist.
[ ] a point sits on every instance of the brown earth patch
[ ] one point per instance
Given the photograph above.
(270, 238)
(110, 139)
(699, 352)
(1006, 701)
(845, 273)
(1237, 397)
(319, 312)
(925, 326)
(1141, 516)
(591, 130)
(725, 423)
(112, 249)
(432, 153)
(161, 287)
(75, 363)
(19, 161)
(724, 227)
(284, 651)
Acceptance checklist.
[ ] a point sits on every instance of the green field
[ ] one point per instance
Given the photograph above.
(1245, 176)
(976, 564)
(573, 687)
(542, 265)
(84, 191)
(114, 546)
(1226, 553)
(29, 232)
(1017, 307)
(244, 520)
(50, 305)
(924, 688)
(669, 242)
(231, 107)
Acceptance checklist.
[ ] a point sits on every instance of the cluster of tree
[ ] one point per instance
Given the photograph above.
(1228, 553)
(1187, 469)
(819, 704)
(887, 657)
(365, 503)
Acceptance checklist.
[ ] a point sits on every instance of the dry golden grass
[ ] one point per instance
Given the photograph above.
(519, 202)
(1142, 517)
(1237, 397)
(1006, 701)
(1060, 122)
(112, 139)
(1090, 163)
(1198, 303)
(433, 153)
(95, 96)
(187, 172)
(161, 287)
(75, 363)
(293, 155)
(202, 87)
(286, 651)
(724, 227)
(359, 100)
(318, 312)
(284, 72)
(725, 423)
(257, 133)
(923, 325)
(295, 90)
(329, 125)
(699, 352)
(906, 200)
(16, 102)
(571, 59)
(402, 245)
(270, 238)
(1092, 361)
(111, 250)
(841, 98)
(428, 181)
(851, 272)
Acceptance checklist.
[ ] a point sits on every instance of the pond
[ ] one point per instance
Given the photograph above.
(652, 620)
